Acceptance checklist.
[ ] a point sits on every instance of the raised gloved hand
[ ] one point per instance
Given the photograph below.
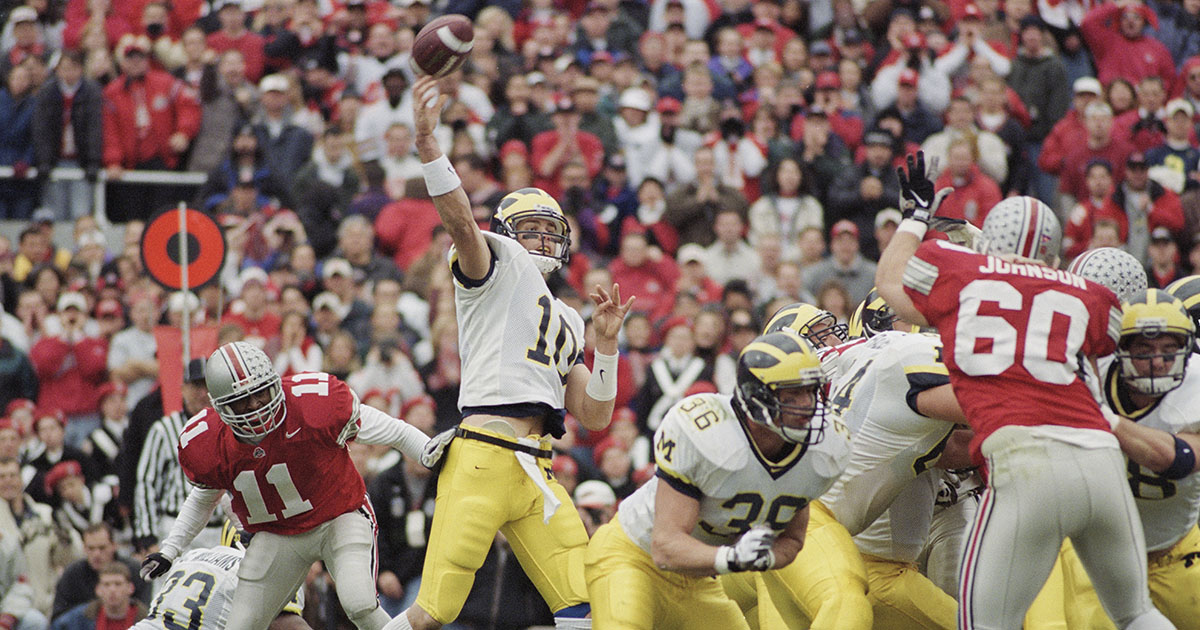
(751, 552)
(155, 565)
(918, 200)
(435, 449)
(960, 231)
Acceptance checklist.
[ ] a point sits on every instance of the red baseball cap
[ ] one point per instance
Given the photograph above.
(971, 11)
(909, 77)
(669, 104)
(828, 81)
(913, 40)
(845, 226)
(60, 471)
(110, 388)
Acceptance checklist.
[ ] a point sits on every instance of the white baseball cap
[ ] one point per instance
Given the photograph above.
(635, 98)
(273, 83)
(72, 299)
(1088, 85)
(594, 494)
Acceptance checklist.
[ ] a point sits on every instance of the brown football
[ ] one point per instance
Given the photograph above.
(443, 45)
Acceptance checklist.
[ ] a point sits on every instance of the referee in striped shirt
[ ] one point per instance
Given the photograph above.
(161, 486)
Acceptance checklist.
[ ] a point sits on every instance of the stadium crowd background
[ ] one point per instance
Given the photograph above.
(717, 159)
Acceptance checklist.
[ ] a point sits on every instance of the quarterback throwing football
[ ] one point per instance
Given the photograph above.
(522, 368)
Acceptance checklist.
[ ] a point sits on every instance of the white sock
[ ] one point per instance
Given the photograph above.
(399, 622)
(572, 623)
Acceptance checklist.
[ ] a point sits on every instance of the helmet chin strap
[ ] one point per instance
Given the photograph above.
(545, 264)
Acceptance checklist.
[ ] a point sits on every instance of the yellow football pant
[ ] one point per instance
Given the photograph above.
(1174, 588)
(483, 490)
(628, 592)
(1048, 611)
(904, 599)
(825, 588)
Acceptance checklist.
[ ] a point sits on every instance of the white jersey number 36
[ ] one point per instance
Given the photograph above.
(1056, 365)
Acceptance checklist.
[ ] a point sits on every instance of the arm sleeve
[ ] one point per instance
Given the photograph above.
(193, 516)
(376, 427)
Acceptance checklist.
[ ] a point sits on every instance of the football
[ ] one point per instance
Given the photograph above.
(443, 45)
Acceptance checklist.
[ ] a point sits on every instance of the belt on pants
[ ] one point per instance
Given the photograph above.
(468, 434)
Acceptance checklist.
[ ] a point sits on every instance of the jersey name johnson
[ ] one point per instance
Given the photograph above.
(517, 341)
(703, 451)
(300, 475)
(1014, 341)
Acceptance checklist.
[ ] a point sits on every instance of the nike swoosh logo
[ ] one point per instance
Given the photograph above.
(289, 434)
(602, 375)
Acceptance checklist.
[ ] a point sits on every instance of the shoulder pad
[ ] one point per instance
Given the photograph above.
(707, 431)
(1178, 407)
(198, 448)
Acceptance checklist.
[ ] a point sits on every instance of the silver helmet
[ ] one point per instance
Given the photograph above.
(237, 372)
(1114, 268)
(1022, 226)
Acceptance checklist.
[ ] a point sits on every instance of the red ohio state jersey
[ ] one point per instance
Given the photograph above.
(1014, 336)
(299, 476)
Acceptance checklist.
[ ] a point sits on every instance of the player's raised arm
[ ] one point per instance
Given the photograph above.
(441, 180)
(919, 203)
(590, 394)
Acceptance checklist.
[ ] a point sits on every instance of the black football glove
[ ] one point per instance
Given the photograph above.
(918, 199)
(155, 565)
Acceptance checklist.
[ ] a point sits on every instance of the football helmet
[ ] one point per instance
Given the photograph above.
(773, 362)
(1187, 290)
(1114, 268)
(1023, 226)
(235, 372)
(818, 326)
(531, 203)
(871, 317)
(1150, 314)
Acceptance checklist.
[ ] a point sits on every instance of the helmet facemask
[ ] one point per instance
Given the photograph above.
(1157, 381)
(254, 423)
(761, 404)
(533, 203)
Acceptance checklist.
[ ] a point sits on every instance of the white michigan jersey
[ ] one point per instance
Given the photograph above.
(197, 591)
(703, 451)
(886, 496)
(1169, 508)
(517, 341)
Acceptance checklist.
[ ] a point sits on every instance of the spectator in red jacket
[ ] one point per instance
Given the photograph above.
(150, 118)
(234, 35)
(553, 149)
(1098, 143)
(646, 272)
(1097, 205)
(974, 192)
(1067, 131)
(71, 366)
(1143, 125)
(1115, 33)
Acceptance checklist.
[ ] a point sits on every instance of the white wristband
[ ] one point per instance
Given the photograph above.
(721, 564)
(440, 177)
(912, 226)
(602, 385)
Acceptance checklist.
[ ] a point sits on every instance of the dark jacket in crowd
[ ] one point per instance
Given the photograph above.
(86, 122)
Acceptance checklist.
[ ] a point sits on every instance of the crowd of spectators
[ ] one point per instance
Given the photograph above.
(716, 158)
